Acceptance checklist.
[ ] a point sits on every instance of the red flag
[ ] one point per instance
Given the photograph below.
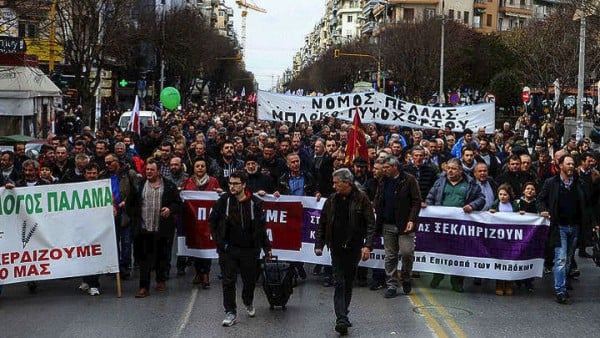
(357, 143)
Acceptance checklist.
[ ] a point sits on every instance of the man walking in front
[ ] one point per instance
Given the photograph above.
(564, 199)
(158, 201)
(347, 227)
(237, 225)
(398, 201)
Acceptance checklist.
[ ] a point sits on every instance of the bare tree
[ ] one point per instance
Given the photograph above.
(549, 49)
(91, 31)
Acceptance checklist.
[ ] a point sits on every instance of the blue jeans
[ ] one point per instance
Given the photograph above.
(124, 244)
(562, 257)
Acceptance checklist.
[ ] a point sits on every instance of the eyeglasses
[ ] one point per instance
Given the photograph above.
(108, 162)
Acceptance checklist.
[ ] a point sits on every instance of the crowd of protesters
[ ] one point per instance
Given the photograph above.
(200, 147)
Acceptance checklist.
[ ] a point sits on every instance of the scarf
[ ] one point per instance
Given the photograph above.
(201, 182)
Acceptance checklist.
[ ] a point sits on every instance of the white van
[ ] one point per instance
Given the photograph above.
(147, 118)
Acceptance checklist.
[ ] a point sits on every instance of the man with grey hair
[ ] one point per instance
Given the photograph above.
(454, 189)
(347, 227)
(397, 204)
(76, 174)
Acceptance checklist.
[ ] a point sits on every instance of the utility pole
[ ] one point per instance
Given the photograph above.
(580, 76)
(162, 47)
(381, 77)
(52, 37)
(441, 97)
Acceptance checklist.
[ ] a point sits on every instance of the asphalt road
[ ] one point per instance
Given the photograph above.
(59, 309)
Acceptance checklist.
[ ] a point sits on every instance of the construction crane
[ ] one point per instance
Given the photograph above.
(245, 6)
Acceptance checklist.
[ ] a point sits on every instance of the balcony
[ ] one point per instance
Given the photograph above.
(479, 4)
(515, 9)
(413, 2)
(369, 27)
(369, 6)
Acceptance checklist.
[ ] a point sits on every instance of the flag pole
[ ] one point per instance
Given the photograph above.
(119, 290)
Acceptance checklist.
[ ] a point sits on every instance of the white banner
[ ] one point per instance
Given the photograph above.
(374, 107)
(57, 231)
(502, 245)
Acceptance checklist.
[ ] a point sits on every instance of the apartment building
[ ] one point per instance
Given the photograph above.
(345, 20)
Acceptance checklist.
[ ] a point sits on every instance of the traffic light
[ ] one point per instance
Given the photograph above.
(60, 80)
(336, 53)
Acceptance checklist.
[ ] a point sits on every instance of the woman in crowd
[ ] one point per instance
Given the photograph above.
(505, 203)
(201, 181)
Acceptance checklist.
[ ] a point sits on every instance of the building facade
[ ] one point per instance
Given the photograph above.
(346, 20)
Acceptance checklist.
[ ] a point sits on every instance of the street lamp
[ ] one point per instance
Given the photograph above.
(162, 46)
(441, 97)
(379, 75)
(580, 77)
(52, 37)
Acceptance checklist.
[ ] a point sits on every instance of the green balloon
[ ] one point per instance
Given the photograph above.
(170, 98)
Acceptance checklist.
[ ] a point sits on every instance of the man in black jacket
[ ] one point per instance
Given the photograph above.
(237, 225)
(564, 199)
(157, 203)
(397, 203)
(347, 227)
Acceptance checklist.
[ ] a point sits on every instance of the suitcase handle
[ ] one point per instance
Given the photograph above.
(271, 259)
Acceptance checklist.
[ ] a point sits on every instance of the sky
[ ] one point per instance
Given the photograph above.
(273, 38)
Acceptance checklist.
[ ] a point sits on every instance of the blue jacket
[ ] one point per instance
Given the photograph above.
(457, 148)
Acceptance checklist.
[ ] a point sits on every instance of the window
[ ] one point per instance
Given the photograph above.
(349, 18)
(500, 23)
(466, 18)
(429, 13)
(409, 14)
(451, 14)
(458, 15)
(488, 20)
(27, 29)
(477, 21)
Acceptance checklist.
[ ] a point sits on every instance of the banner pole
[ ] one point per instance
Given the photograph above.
(119, 293)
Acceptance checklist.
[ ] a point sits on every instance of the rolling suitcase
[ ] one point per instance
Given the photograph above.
(277, 282)
(596, 246)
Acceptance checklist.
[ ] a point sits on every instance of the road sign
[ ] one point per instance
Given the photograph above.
(454, 98)
(490, 98)
(526, 95)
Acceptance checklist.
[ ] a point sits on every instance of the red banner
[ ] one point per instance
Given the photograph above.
(283, 222)
(195, 224)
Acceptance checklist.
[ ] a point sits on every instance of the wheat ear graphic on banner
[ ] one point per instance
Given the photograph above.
(26, 236)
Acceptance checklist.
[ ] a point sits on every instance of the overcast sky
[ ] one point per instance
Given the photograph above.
(274, 37)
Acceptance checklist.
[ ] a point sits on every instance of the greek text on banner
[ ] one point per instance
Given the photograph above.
(506, 246)
(57, 231)
(373, 107)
